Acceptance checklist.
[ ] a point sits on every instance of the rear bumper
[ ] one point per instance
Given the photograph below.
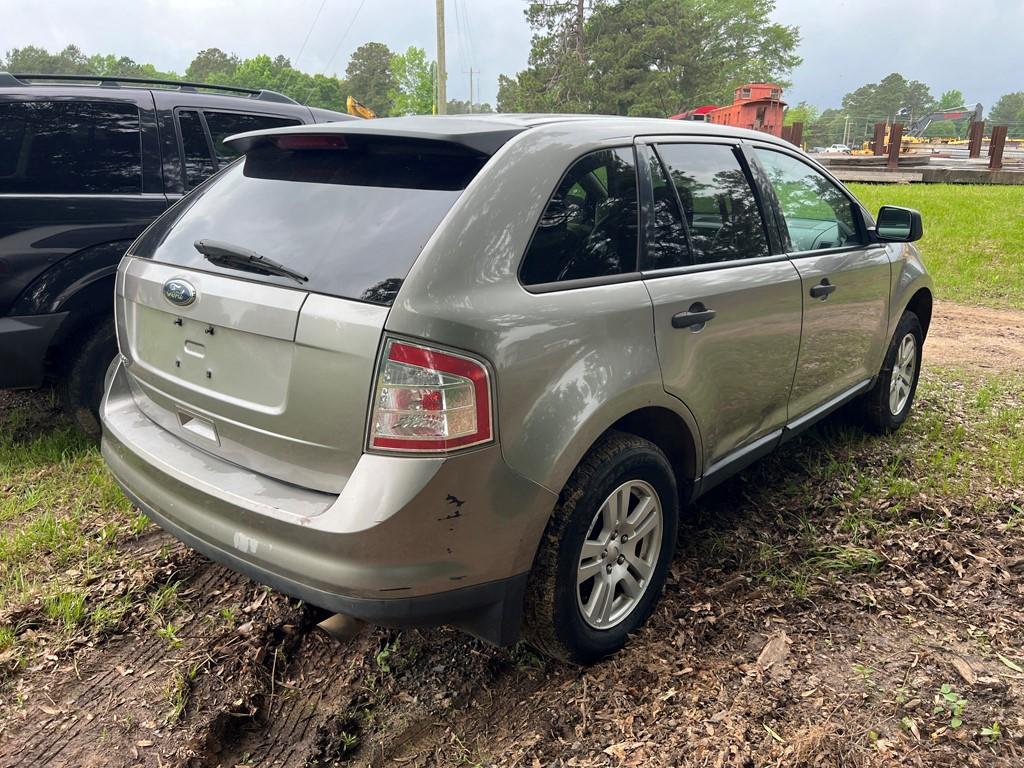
(24, 342)
(410, 541)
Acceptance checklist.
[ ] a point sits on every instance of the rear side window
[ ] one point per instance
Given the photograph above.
(352, 218)
(203, 157)
(224, 124)
(589, 226)
(70, 147)
(666, 246)
(718, 203)
(818, 215)
(198, 162)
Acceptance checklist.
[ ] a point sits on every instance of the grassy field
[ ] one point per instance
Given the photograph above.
(973, 237)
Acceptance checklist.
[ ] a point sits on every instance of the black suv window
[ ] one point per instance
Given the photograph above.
(70, 147)
(589, 227)
(818, 215)
(224, 124)
(718, 203)
(199, 162)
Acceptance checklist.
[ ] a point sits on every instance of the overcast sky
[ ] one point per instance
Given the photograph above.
(973, 46)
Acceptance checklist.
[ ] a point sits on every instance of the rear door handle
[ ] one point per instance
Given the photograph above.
(698, 314)
(822, 290)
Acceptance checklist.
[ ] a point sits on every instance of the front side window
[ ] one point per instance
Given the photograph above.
(718, 202)
(70, 147)
(224, 124)
(589, 227)
(817, 213)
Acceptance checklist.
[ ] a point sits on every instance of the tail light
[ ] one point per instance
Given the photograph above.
(429, 400)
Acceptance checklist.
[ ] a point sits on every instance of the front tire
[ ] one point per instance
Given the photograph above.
(602, 564)
(887, 405)
(85, 374)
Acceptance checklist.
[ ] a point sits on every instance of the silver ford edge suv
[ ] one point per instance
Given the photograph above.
(467, 370)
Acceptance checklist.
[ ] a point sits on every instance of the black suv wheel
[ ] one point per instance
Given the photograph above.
(83, 379)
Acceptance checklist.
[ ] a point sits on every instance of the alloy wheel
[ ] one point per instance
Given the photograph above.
(619, 555)
(903, 370)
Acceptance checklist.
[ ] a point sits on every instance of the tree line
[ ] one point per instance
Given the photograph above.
(627, 57)
(389, 83)
(896, 98)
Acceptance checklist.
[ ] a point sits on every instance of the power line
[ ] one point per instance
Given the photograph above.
(306, 40)
(470, 46)
(343, 36)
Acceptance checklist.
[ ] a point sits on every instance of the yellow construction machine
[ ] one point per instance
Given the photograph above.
(359, 110)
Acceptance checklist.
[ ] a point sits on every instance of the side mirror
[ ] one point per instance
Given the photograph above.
(898, 225)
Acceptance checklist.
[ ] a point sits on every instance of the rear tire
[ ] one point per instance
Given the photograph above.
(589, 589)
(887, 405)
(84, 376)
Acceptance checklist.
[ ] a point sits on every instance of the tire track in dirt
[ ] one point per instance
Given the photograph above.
(107, 705)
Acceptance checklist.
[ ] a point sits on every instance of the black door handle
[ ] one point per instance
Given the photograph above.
(698, 314)
(822, 290)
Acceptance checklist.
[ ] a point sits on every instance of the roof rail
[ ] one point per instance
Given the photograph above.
(114, 81)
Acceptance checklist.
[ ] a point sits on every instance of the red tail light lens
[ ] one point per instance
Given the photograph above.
(429, 400)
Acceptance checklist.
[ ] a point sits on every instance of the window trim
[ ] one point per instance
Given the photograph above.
(654, 274)
(646, 154)
(180, 138)
(767, 222)
(587, 282)
(787, 243)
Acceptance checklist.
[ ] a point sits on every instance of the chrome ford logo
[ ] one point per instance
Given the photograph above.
(181, 293)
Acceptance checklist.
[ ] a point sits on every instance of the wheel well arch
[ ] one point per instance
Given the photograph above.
(671, 433)
(88, 307)
(921, 305)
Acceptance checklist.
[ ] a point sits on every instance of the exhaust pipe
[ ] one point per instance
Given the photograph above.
(342, 627)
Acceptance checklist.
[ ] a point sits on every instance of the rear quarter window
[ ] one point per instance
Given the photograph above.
(70, 147)
(589, 227)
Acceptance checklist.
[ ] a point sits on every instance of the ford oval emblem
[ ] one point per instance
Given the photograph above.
(181, 293)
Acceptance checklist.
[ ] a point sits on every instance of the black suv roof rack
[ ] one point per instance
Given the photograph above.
(114, 81)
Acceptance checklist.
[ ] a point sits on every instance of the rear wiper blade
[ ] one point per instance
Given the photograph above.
(234, 257)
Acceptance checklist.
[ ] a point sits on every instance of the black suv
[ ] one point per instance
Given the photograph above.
(86, 163)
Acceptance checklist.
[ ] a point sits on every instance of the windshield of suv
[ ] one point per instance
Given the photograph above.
(351, 214)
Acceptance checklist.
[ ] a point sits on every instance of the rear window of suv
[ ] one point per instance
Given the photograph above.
(352, 217)
(70, 147)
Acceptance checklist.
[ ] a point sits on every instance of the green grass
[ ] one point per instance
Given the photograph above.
(965, 441)
(61, 518)
(974, 237)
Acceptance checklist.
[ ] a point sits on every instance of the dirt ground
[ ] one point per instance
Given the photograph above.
(989, 340)
(788, 636)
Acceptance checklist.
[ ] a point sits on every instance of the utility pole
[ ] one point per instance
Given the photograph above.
(471, 73)
(442, 72)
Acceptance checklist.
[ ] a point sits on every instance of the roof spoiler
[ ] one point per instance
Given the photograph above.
(480, 137)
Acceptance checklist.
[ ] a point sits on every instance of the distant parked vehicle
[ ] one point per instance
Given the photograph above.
(840, 148)
(465, 370)
(86, 163)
